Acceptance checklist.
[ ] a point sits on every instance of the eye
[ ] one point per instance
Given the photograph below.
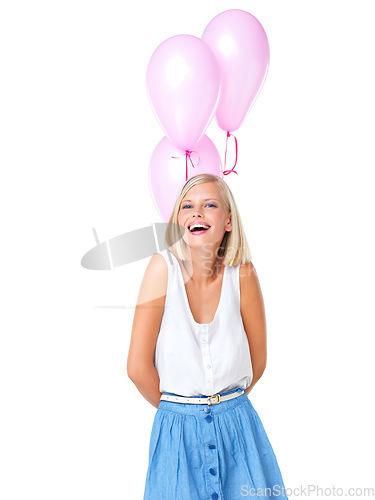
(208, 204)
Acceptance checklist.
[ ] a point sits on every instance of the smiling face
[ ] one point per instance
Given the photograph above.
(203, 204)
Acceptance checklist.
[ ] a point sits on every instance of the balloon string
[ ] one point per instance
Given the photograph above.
(187, 155)
(226, 172)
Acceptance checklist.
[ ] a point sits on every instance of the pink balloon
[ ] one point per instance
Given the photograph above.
(241, 47)
(183, 85)
(166, 175)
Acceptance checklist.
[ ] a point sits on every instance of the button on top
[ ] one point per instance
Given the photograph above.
(206, 409)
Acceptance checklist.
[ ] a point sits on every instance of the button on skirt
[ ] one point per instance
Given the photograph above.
(211, 452)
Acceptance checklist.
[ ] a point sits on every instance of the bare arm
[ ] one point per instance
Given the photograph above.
(254, 320)
(145, 330)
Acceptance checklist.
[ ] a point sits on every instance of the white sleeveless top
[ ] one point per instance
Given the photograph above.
(193, 358)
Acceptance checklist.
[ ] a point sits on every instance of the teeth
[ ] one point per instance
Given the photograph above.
(198, 225)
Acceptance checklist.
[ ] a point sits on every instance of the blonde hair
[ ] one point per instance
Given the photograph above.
(234, 248)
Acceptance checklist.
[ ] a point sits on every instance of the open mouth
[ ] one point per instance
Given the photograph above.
(199, 228)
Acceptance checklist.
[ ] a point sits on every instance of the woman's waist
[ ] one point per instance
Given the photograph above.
(204, 410)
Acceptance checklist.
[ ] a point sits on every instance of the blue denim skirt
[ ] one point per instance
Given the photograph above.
(211, 452)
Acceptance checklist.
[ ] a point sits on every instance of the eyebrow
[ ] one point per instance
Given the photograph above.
(208, 199)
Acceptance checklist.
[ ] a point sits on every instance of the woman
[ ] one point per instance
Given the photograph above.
(197, 349)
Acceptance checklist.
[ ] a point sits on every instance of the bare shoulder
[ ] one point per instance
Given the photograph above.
(249, 282)
(157, 266)
(247, 268)
(155, 279)
(248, 274)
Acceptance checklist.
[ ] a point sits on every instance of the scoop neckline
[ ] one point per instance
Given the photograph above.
(187, 300)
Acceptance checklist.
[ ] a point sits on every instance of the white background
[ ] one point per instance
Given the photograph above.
(77, 133)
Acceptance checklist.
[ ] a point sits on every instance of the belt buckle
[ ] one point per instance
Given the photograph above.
(210, 402)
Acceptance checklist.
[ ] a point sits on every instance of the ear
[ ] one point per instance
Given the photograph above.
(228, 226)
